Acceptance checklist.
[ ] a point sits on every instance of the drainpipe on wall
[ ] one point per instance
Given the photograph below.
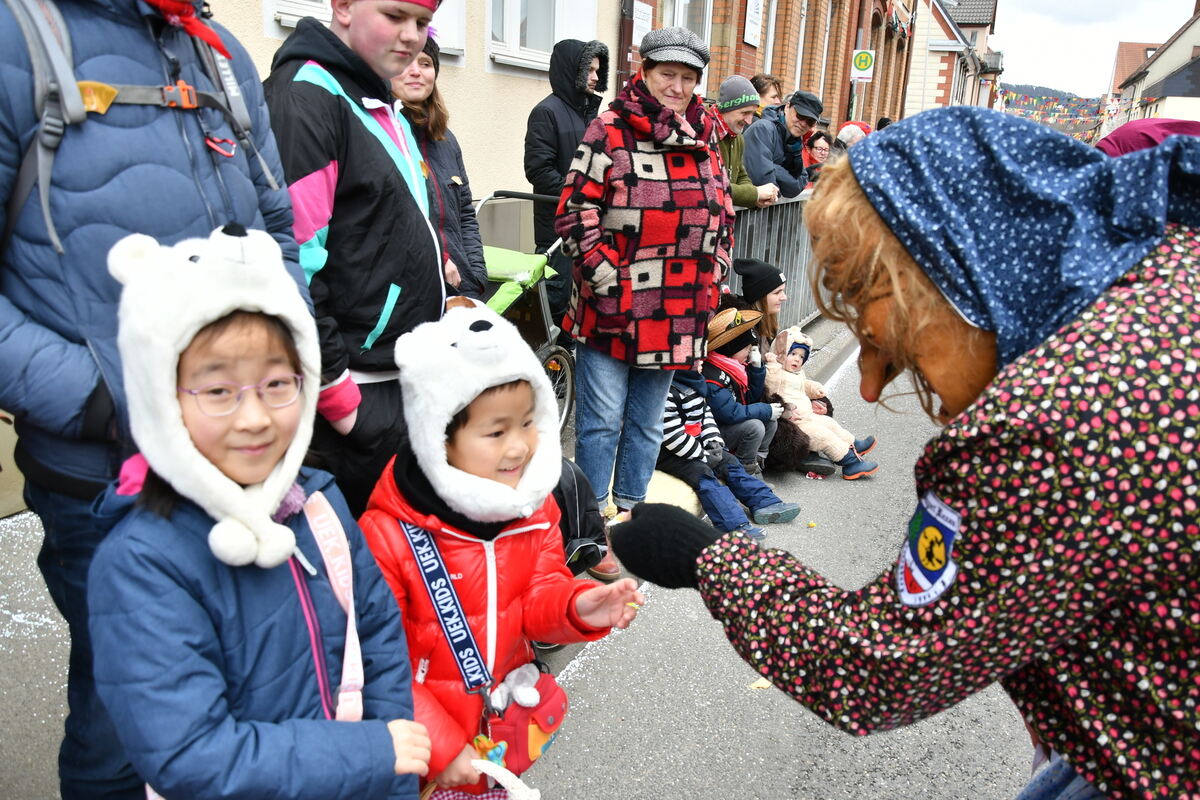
(624, 59)
(861, 40)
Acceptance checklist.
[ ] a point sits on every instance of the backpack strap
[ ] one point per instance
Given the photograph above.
(60, 103)
(58, 99)
(339, 567)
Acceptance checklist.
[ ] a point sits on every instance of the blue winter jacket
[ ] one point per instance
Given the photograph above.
(772, 155)
(133, 169)
(207, 670)
(729, 405)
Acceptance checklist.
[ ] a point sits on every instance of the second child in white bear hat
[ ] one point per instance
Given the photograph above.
(220, 650)
(472, 483)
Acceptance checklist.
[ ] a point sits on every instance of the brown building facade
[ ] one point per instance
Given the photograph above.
(807, 44)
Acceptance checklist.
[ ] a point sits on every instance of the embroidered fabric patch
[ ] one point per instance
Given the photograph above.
(926, 567)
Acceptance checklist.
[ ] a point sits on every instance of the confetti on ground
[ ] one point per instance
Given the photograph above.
(812, 524)
(761, 683)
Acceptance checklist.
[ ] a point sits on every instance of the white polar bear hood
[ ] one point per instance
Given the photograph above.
(444, 366)
(169, 294)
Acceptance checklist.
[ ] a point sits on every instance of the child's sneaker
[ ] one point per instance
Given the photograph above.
(864, 445)
(854, 467)
(755, 533)
(776, 512)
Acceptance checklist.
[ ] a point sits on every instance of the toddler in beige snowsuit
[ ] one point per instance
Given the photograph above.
(786, 378)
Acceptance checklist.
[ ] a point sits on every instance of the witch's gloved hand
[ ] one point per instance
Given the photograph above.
(662, 543)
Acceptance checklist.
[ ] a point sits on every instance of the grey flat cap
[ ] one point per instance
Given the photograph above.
(675, 44)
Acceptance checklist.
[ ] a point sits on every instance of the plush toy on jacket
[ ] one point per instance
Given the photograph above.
(786, 378)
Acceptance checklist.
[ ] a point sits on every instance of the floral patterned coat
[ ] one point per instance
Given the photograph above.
(1055, 548)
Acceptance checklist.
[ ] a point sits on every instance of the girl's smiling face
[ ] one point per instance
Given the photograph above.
(246, 443)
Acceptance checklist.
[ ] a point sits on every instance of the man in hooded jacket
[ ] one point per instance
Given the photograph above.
(578, 75)
(125, 168)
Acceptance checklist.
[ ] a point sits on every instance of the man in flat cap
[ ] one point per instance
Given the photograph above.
(775, 143)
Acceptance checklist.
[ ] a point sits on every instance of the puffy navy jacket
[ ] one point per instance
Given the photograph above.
(207, 670)
(133, 169)
(729, 405)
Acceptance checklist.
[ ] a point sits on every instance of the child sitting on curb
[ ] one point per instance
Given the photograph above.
(734, 378)
(786, 378)
(463, 511)
(694, 452)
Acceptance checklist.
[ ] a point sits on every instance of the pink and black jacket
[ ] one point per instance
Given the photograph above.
(361, 203)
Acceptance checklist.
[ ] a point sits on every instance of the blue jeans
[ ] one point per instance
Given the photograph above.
(91, 761)
(1058, 781)
(618, 420)
(721, 501)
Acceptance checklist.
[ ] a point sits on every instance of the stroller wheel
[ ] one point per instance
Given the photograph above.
(560, 368)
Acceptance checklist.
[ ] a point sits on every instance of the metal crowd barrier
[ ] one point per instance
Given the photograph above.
(776, 234)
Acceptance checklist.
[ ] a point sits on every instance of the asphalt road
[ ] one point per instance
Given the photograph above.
(664, 709)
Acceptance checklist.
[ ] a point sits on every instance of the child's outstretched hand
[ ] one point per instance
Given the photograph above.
(459, 772)
(610, 605)
(410, 743)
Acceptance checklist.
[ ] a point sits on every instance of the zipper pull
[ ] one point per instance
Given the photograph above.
(309, 568)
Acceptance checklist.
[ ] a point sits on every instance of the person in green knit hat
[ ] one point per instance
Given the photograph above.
(736, 107)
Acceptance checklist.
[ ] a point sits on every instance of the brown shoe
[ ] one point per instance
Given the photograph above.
(608, 569)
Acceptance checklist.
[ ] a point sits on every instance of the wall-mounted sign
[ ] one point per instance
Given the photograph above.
(643, 20)
(754, 13)
(862, 65)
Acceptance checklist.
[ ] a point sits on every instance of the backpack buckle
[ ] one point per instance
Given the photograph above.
(181, 95)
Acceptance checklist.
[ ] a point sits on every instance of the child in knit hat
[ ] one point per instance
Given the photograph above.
(734, 381)
(245, 643)
(464, 511)
(786, 378)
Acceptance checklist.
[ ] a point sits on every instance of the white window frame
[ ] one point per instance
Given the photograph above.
(450, 19)
(510, 52)
(678, 19)
(289, 12)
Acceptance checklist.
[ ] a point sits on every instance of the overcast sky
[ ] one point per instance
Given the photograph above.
(1071, 44)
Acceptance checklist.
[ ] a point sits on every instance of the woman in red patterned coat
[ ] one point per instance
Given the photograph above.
(647, 217)
(1055, 541)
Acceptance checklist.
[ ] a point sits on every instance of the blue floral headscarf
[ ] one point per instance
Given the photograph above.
(1021, 227)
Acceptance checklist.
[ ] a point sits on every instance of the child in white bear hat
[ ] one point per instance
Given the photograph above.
(786, 378)
(464, 511)
(229, 663)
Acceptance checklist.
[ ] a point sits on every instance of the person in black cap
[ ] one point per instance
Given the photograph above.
(775, 143)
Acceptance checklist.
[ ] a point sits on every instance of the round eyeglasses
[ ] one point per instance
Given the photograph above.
(222, 399)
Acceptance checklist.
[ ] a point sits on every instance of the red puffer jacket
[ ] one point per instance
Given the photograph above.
(512, 589)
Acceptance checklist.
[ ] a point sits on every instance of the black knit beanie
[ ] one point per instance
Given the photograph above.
(758, 278)
(434, 51)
